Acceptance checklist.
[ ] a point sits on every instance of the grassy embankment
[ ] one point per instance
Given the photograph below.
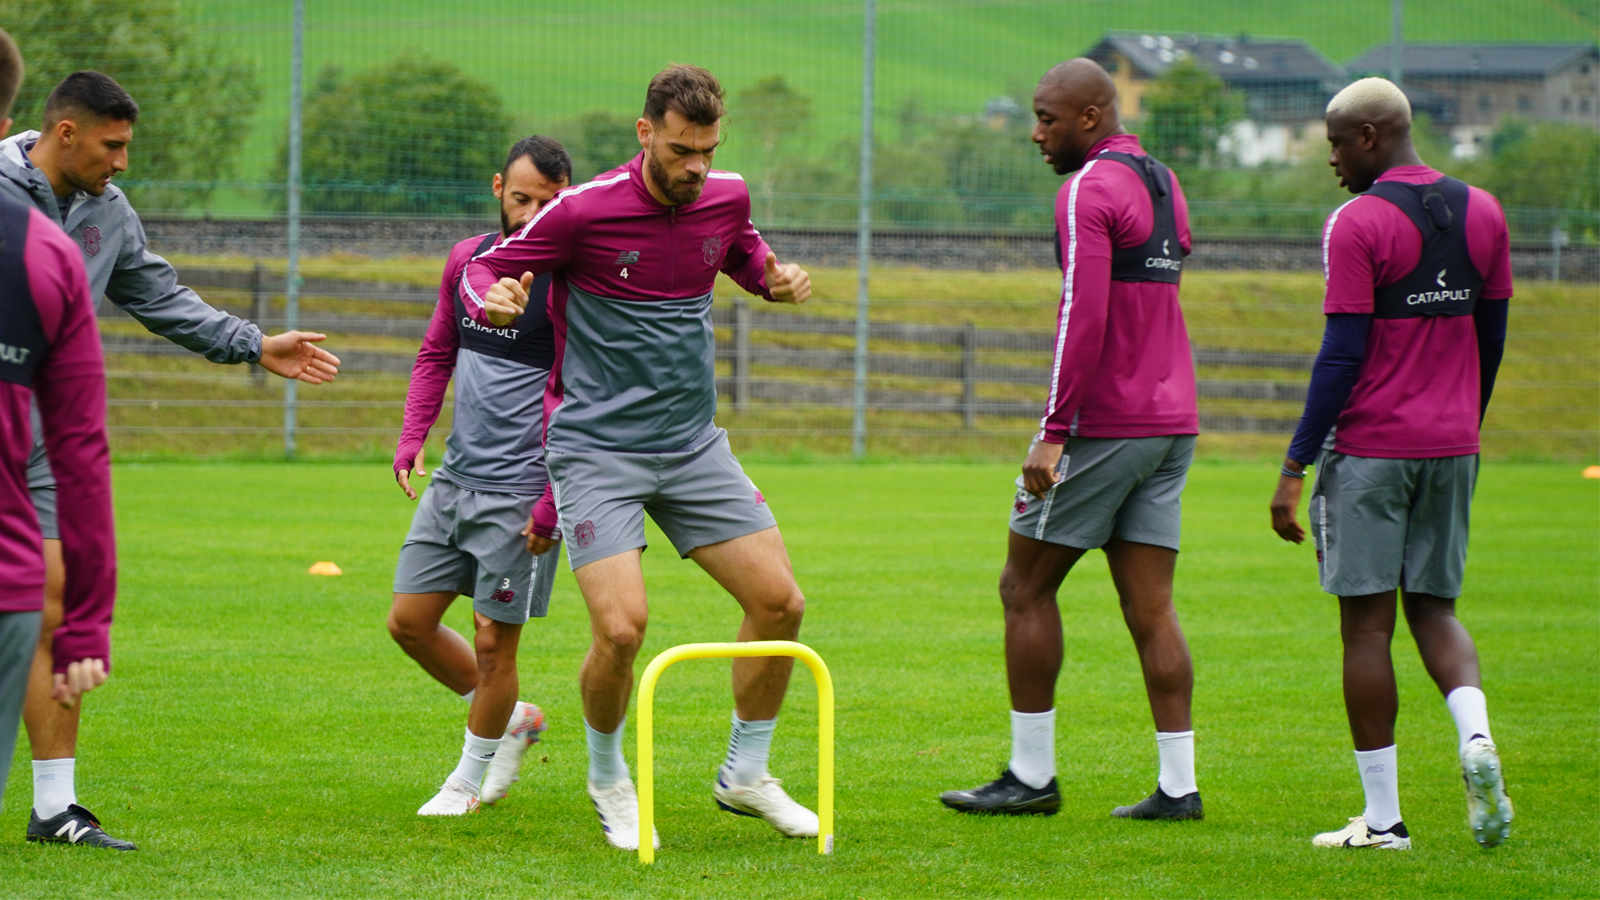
(940, 59)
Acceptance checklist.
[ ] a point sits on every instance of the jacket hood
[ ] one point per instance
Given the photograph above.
(13, 159)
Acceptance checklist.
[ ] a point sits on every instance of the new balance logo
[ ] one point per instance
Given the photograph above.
(73, 835)
(1375, 768)
(627, 257)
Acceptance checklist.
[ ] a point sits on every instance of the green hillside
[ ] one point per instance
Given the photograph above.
(940, 55)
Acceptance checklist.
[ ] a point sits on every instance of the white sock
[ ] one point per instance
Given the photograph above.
(467, 697)
(1176, 749)
(53, 786)
(1380, 778)
(1033, 747)
(749, 744)
(476, 753)
(606, 765)
(1471, 711)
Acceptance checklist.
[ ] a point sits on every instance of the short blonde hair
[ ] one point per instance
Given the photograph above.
(1371, 99)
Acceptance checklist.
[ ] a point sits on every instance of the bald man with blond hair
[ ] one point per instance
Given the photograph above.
(1418, 274)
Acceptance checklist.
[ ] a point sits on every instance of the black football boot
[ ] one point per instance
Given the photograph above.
(1006, 795)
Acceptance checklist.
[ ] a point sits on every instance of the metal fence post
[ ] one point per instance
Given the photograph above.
(1558, 239)
(741, 355)
(1397, 41)
(858, 430)
(291, 296)
(258, 312)
(969, 376)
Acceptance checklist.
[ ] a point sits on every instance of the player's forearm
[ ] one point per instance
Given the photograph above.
(750, 273)
(545, 519)
(430, 376)
(1080, 343)
(1489, 321)
(180, 316)
(73, 411)
(1333, 377)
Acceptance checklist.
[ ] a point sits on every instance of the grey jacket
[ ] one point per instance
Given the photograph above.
(121, 267)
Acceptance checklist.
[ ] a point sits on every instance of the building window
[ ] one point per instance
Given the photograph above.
(1566, 105)
(1485, 103)
(1525, 103)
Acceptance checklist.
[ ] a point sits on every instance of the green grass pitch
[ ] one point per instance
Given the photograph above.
(261, 735)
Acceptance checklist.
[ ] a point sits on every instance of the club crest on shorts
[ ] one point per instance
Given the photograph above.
(711, 250)
(583, 534)
(91, 240)
(759, 499)
(1021, 506)
(504, 594)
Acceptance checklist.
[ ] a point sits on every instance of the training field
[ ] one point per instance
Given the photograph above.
(262, 736)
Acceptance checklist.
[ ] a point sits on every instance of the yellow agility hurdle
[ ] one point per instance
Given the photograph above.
(647, 692)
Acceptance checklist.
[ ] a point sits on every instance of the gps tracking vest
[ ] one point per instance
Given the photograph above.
(22, 340)
(1445, 282)
(523, 341)
(1160, 257)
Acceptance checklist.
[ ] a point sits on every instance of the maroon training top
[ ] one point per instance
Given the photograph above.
(70, 387)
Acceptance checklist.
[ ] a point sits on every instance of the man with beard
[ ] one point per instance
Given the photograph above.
(1109, 464)
(467, 536)
(1418, 289)
(634, 255)
(65, 172)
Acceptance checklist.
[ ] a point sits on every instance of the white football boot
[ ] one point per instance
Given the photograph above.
(522, 731)
(765, 800)
(1488, 807)
(453, 799)
(1358, 836)
(618, 807)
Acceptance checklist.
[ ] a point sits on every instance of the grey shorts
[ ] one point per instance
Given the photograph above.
(44, 502)
(471, 543)
(1129, 488)
(19, 636)
(1380, 524)
(698, 497)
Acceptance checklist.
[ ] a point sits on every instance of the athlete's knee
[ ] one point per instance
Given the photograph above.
(406, 629)
(781, 610)
(620, 636)
(1019, 593)
(1423, 609)
(494, 641)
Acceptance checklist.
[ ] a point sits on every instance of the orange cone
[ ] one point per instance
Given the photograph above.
(1592, 472)
(324, 568)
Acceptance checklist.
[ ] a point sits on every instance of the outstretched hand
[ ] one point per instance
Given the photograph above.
(788, 283)
(80, 678)
(507, 299)
(295, 354)
(403, 476)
